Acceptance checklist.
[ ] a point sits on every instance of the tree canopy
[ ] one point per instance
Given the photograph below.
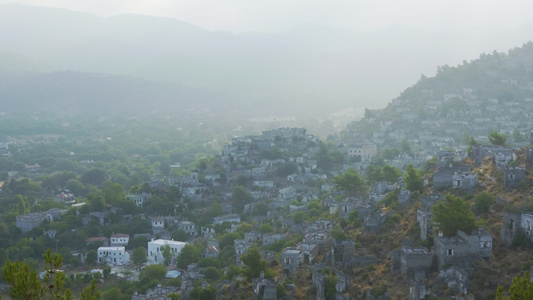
(139, 256)
(497, 139)
(167, 254)
(413, 181)
(25, 283)
(240, 197)
(350, 182)
(453, 214)
(189, 254)
(522, 288)
(152, 272)
(255, 265)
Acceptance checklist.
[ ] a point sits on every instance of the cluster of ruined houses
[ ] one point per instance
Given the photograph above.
(446, 117)
(451, 173)
(454, 255)
(449, 253)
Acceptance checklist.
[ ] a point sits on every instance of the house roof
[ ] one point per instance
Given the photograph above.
(120, 235)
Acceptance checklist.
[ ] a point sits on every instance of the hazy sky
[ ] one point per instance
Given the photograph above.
(281, 15)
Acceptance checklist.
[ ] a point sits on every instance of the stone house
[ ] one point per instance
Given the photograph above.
(319, 282)
(501, 156)
(344, 208)
(343, 253)
(372, 223)
(443, 178)
(462, 248)
(317, 236)
(32, 168)
(409, 260)
(453, 279)
(290, 260)
(207, 232)
(464, 181)
(309, 251)
(139, 199)
(445, 158)
(529, 153)
(214, 179)
(514, 223)
(423, 217)
(241, 247)
(119, 239)
(287, 193)
(513, 177)
(252, 236)
(365, 152)
(382, 187)
(269, 163)
(188, 227)
(232, 218)
(50, 233)
(297, 178)
(269, 238)
(158, 224)
(157, 293)
(417, 291)
(296, 208)
(404, 196)
(264, 289)
(264, 183)
(212, 249)
(65, 198)
(98, 241)
(29, 221)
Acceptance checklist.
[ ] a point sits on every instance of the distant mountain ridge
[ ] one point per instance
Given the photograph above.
(348, 68)
(71, 93)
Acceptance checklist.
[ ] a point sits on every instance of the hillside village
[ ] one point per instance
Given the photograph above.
(286, 215)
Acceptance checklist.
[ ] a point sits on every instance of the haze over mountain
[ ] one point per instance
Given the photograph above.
(310, 65)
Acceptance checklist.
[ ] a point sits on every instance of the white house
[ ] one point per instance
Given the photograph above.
(155, 255)
(113, 255)
(119, 239)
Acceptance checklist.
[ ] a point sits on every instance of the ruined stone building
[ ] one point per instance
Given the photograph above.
(514, 223)
(319, 282)
(462, 249)
(444, 177)
(343, 253)
(513, 177)
(409, 260)
(501, 156)
(290, 260)
(464, 181)
(423, 214)
(264, 289)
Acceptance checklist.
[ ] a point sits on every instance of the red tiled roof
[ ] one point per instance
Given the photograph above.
(120, 235)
